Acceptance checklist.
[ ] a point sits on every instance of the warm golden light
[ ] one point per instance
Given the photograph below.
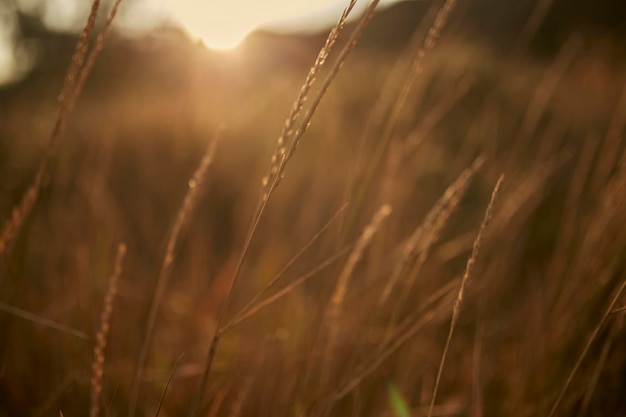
(224, 24)
(221, 38)
(218, 27)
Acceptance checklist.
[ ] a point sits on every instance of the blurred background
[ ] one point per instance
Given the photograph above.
(31, 29)
(537, 87)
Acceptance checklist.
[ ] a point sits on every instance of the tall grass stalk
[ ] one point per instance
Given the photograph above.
(167, 385)
(435, 306)
(280, 156)
(245, 310)
(259, 304)
(544, 93)
(613, 333)
(586, 348)
(569, 227)
(441, 19)
(466, 276)
(417, 246)
(60, 389)
(387, 95)
(334, 310)
(536, 18)
(611, 144)
(278, 164)
(97, 368)
(185, 212)
(75, 78)
(42, 321)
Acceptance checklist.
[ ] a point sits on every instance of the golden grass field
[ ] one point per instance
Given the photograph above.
(161, 254)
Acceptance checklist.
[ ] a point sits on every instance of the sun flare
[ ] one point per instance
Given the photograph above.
(220, 38)
(225, 24)
(216, 30)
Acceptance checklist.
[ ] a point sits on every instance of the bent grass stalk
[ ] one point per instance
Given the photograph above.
(466, 276)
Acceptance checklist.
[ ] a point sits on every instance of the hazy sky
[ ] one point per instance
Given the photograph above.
(221, 24)
(224, 23)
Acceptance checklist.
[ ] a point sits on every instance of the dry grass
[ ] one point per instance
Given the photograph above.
(182, 217)
(97, 367)
(76, 76)
(301, 301)
(456, 309)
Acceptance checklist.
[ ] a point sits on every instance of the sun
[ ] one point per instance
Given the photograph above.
(220, 25)
(216, 32)
(223, 40)
(224, 24)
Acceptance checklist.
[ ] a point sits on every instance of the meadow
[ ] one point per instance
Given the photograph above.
(439, 230)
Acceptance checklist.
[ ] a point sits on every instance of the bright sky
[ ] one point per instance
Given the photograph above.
(223, 24)
(220, 24)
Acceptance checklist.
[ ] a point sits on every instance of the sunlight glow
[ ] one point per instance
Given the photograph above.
(224, 24)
